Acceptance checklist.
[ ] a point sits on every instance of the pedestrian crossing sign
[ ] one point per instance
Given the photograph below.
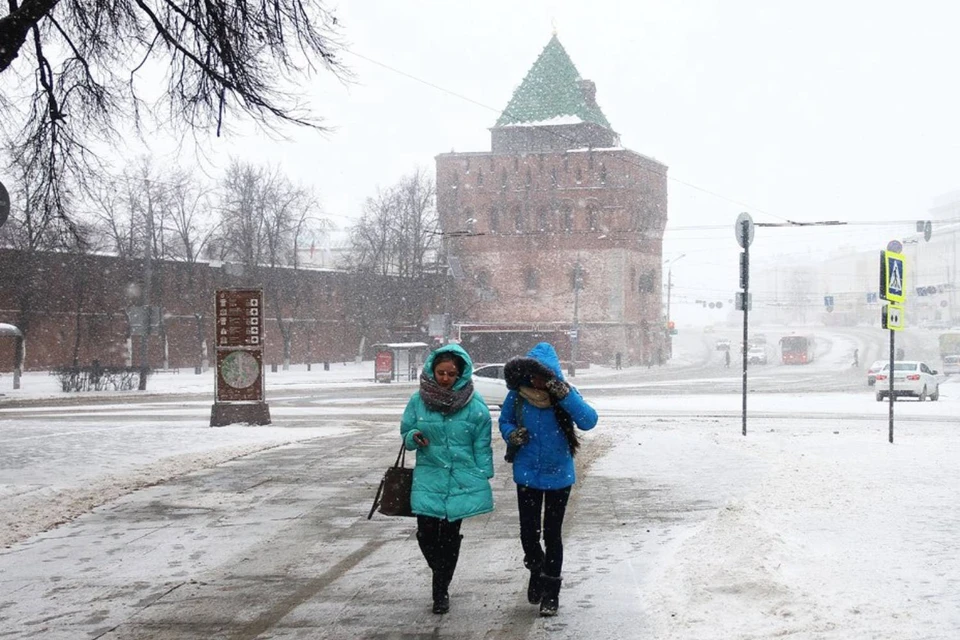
(892, 277)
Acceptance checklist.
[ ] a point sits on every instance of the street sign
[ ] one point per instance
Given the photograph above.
(738, 230)
(828, 302)
(893, 317)
(892, 276)
(895, 246)
(4, 204)
(239, 318)
(739, 304)
(239, 394)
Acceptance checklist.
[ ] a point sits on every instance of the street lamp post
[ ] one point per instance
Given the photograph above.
(666, 322)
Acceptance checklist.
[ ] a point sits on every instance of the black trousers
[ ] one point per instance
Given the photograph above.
(542, 511)
(439, 541)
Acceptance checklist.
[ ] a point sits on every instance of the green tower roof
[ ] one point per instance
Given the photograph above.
(551, 91)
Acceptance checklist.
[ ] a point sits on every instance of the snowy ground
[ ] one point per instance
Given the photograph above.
(813, 526)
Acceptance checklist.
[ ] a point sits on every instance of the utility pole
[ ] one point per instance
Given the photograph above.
(147, 286)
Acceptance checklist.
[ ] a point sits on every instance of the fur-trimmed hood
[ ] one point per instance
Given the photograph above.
(542, 360)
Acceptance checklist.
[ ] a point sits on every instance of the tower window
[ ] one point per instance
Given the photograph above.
(530, 279)
(479, 176)
(566, 216)
(494, 219)
(518, 221)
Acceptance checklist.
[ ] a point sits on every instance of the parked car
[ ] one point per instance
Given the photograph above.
(951, 365)
(910, 378)
(757, 355)
(874, 369)
(723, 344)
(489, 383)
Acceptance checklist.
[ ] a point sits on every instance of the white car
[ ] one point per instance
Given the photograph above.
(757, 355)
(489, 383)
(910, 378)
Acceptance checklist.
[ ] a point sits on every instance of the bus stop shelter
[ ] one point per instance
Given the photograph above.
(11, 331)
(398, 360)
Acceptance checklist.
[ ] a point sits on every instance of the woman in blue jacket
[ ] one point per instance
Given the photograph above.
(537, 420)
(449, 426)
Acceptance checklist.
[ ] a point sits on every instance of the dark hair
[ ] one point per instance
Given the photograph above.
(447, 356)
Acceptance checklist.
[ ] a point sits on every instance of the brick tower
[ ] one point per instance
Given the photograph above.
(558, 229)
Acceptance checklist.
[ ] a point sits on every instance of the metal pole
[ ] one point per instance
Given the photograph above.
(746, 306)
(892, 332)
(147, 287)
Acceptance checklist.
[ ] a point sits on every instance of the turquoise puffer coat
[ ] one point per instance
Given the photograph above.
(545, 461)
(451, 479)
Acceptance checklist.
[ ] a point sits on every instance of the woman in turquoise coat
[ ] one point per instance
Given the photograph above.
(449, 426)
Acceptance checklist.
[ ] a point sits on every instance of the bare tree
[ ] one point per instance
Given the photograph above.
(72, 72)
(264, 220)
(397, 236)
(398, 233)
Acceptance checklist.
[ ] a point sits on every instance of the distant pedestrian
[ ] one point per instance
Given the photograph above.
(449, 426)
(856, 357)
(538, 419)
(726, 358)
(619, 360)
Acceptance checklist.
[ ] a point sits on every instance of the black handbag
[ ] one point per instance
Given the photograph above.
(393, 494)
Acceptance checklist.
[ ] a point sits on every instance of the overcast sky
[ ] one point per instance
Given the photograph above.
(803, 111)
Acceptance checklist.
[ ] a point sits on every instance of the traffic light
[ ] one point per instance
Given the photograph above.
(671, 328)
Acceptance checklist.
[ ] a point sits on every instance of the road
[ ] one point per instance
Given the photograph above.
(277, 544)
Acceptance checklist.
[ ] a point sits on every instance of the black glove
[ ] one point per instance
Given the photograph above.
(558, 388)
(518, 437)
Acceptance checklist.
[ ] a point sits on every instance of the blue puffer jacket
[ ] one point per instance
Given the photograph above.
(545, 461)
(451, 478)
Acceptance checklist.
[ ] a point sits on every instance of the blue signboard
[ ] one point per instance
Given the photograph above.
(892, 277)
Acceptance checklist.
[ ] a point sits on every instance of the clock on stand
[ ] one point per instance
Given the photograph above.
(239, 340)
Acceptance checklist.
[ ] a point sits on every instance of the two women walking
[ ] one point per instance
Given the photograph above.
(450, 428)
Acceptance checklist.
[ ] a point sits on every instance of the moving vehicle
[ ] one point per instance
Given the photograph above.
(874, 369)
(949, 344)
(757, 355)
(797, 349)
(910, 378)
(951, 365)
(489, 383)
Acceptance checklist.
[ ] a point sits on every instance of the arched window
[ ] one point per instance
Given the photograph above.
(469, 220)
(494, 219)
(593, 217)
(579, 175)
(566, 216)
(603, 173)
(529, 178)
(503, 179)
(543, 218)
(530, 279)
(479, 176)
(519, 224)
(554, 182)
(483, 279)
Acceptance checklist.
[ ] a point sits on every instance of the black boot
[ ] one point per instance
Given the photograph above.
(534, 586)
(534, 589)
(441, 596)
(443, 574)
(550, 588)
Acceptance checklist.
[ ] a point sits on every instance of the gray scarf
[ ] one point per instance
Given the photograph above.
(445, 401)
